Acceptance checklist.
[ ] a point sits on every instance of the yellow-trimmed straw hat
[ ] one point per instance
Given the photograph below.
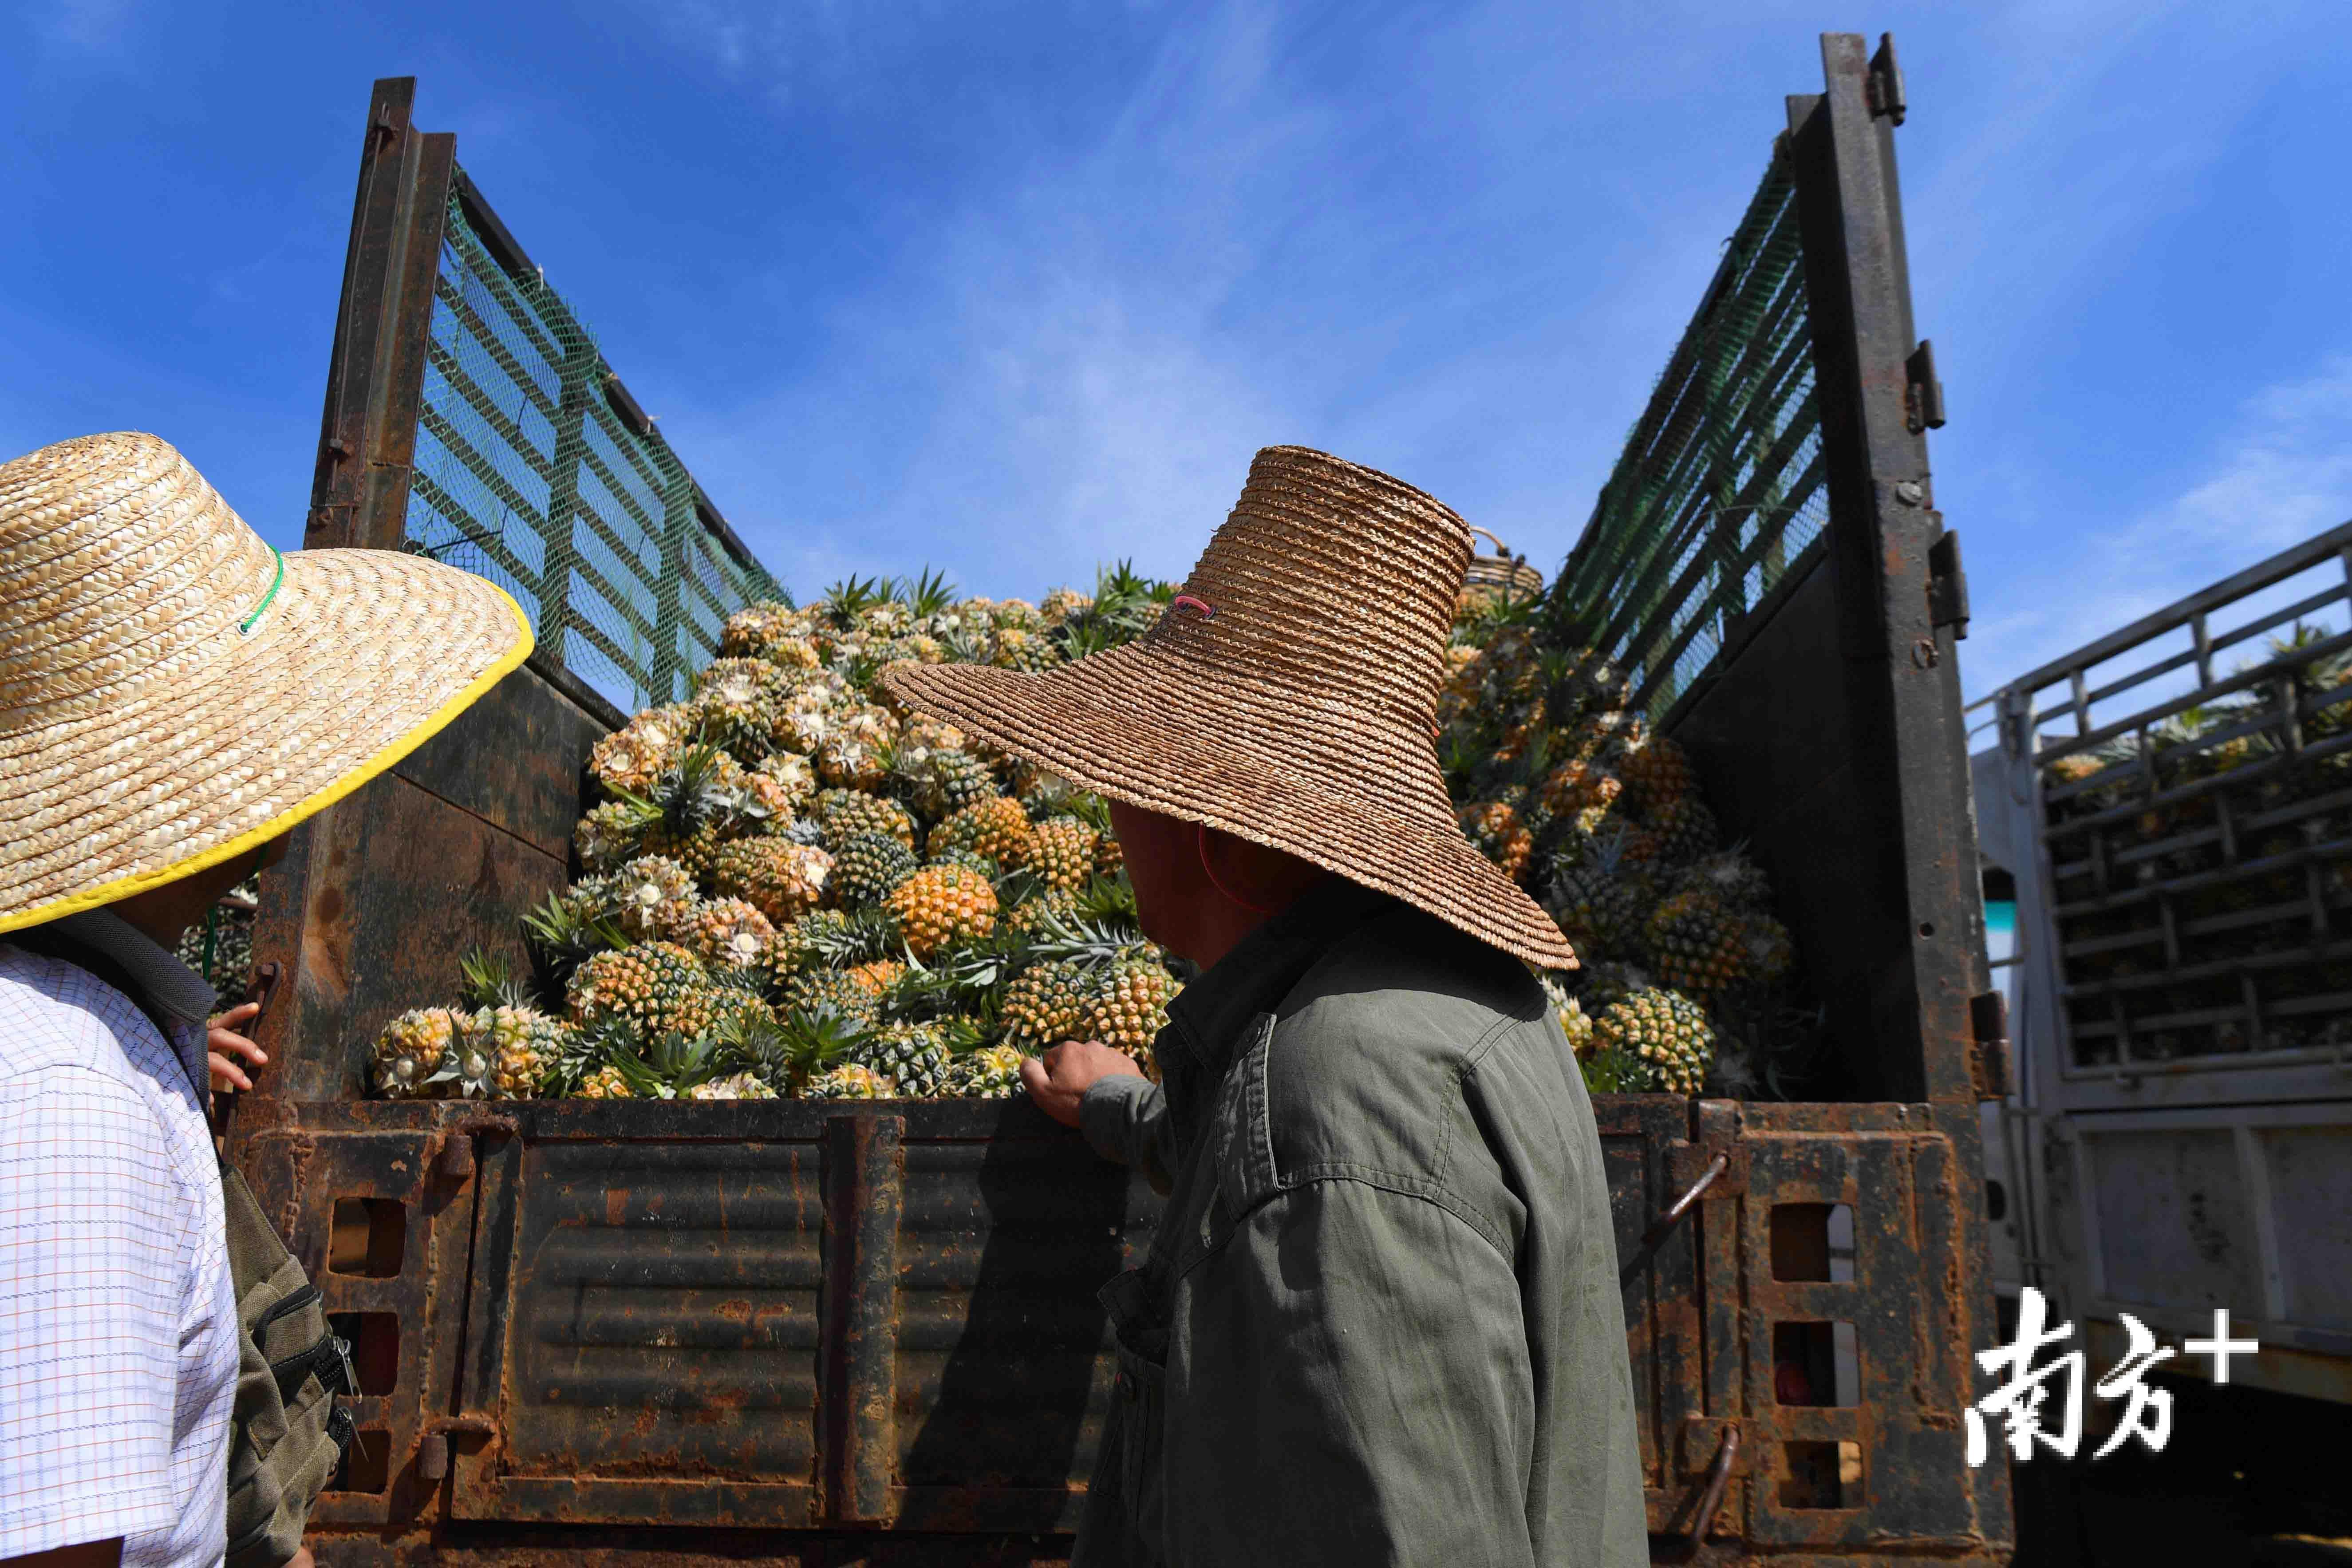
(175, 692)
(1288, 696)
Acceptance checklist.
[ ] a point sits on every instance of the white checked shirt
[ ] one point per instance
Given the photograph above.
(118, 1321)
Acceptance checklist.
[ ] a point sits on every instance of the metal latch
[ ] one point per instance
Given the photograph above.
(1948, 585)
(1923, 394)
(453, 1150)
(433, 1448)
(1989, 1061)
(1882, 87)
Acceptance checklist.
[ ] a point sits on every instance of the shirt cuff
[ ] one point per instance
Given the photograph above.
(1114, 1114)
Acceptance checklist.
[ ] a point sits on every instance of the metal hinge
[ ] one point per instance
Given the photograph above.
(1923, 394)
(1948, 585)
(1883, 88)
(1988, 1060)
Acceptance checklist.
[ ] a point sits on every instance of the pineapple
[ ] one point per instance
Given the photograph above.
(1655, 773)
(1695, 945)
(606, 1082)
(734, 1085)
(991, 1072)
(734, 707)
(1063, 856)
(730, 933)
(1731, 876)
(1127, 1006)
(844, 813)
(1666, 1031)
(876, 976)
(940, 905)
(949, 779)
(658, 986)
(611, 834)
(573, 924)
(1110, 857)
(851, 1080)
(1769, 953)
(1496, 828)
(782, 880)
(1032, 916)
(867, 866)
(698, 804)
(1060, 604)
(1016, 648)
(1576, 786)
(1686, 830)
(655, 898)
(994, 829)
(507, 1048)
(1045, 1004)
(913, 1056)
(845, 762)
(834, 990)
(413, 1056)
(632, 757)
(1602, 904)
(784, 781)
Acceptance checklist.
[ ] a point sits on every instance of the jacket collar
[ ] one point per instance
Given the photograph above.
(1207, 1019)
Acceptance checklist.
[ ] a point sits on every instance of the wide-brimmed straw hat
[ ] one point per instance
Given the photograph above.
(175, 692)
(1288, 696)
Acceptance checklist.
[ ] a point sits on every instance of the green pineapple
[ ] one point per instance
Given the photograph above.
(867, 866)
(1695, 945)
(949, 780)
(572, 925)
(1127, 1006)
(844, 813)
(1665, 1031)
(1684, 830)
(611, 834)
(991, 1072)
(913, 1056)
(834, 990)
(1602, 902)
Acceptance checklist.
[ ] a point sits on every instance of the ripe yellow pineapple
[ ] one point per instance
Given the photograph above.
(850, 1080)
(1045, 1005)
(412, 1053)
(1665, 1031)
(658, 986)
(844, 813)
(943, 904)
(730, 933)
(604, 1083)
(654, 896)
(1127, 1006)
(877, 976)
(994, 829)
(1062, 853)
(1496, 828)
(1655, 773)
(782, 880)
(991, 1072)
(632, 757)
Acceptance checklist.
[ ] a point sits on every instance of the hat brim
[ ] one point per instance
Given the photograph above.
(1150, 747)
(361, 657)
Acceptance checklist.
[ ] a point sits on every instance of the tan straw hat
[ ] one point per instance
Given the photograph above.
(175, 692)
(1288, 696)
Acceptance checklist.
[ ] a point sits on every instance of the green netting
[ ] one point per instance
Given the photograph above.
(1720, 487)
(527, 474)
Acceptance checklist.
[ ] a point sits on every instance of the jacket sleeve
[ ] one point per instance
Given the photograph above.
(1126, 1119)
(1367, 1346)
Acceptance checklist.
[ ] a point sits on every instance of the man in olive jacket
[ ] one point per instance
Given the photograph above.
(1380, 1322)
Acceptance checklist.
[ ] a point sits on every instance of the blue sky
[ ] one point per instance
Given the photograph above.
(1013, 289)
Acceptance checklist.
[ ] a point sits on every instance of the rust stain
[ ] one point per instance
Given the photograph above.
(616, 1206)
(735, 1311)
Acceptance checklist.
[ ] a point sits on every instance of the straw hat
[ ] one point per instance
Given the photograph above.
(1288, 696)
(175, 692)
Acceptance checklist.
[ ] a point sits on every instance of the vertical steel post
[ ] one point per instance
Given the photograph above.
(864, 1168)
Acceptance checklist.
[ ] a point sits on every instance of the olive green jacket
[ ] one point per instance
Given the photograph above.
(1380, 1322)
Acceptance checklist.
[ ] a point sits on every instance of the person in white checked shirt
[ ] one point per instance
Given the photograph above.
(175, 694)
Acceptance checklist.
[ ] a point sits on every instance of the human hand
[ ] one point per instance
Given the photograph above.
(223, 1045)
(1060, 1078)
(302, 1559)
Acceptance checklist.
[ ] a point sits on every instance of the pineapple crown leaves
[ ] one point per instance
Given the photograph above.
(566, 932)
(860, 936)
(1089, 943)
(927, 592)
(489, 980)
(680, 1063)
(844, 599)
(805, 1041)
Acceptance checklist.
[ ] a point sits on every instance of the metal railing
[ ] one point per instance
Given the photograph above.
(2193, 823)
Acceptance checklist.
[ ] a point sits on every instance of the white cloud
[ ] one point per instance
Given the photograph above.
(2282, 474)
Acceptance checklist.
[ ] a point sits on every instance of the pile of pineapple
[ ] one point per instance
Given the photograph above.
(1683, 984)
(793, 887)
